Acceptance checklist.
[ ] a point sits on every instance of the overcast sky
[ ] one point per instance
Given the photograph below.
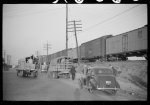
(27, 27)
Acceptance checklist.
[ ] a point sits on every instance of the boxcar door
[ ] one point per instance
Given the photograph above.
(125, 43)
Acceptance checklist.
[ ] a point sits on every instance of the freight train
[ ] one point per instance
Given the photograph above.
(109, 47)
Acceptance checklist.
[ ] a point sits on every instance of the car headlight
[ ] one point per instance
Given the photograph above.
(108, 82)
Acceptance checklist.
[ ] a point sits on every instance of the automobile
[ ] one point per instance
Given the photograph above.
(100, 78)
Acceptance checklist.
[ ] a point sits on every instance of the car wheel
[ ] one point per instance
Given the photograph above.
(113, 92)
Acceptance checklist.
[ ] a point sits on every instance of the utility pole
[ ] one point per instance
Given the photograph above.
(66, 30)
(47, 47)
(37, 53)
(75, 28)
(8, 59)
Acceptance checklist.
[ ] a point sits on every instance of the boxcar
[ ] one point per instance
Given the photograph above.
(82, 51)
(95, 48)
(72, 53)
(58, 54)
(53, 56)
(137, 39)
(132, 43)
(63, 53)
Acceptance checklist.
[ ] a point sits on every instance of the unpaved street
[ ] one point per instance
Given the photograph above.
(44, 88)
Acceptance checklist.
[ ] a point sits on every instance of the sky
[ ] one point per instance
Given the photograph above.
(26, 28)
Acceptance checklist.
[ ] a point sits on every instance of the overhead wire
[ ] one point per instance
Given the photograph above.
(127, 10)
(87, 29)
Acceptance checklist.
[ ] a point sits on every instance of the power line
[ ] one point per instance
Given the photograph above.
(127, 10)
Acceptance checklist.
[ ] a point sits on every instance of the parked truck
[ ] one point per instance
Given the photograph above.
(60, 67)
(27, 67)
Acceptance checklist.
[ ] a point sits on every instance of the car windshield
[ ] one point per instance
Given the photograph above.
(105, 71)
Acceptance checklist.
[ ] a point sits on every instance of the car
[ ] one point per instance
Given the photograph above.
(100, 78)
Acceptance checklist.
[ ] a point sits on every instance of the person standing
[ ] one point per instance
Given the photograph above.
(113, 69)
(73, 72)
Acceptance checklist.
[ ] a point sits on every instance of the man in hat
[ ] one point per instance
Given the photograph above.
(73, 72)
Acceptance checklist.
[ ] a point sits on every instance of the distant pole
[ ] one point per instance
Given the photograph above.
(66, 29)
(47, 47)
(37, 53)
(8, 59)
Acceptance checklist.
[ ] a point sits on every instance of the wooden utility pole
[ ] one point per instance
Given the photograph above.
(75, 33)
(75, 29)
(47, 47)
(37, 53)
(66, 29)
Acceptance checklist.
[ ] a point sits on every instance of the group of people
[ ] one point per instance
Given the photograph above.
(84, 71)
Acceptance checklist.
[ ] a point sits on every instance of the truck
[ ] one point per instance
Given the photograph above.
(27, 67)
(60, 67)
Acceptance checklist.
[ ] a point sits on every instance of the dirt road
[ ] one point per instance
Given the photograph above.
(46, 89)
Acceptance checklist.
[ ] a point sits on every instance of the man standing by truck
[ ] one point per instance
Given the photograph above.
(73, 72)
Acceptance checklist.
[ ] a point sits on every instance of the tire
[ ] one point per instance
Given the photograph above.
(113, 92)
